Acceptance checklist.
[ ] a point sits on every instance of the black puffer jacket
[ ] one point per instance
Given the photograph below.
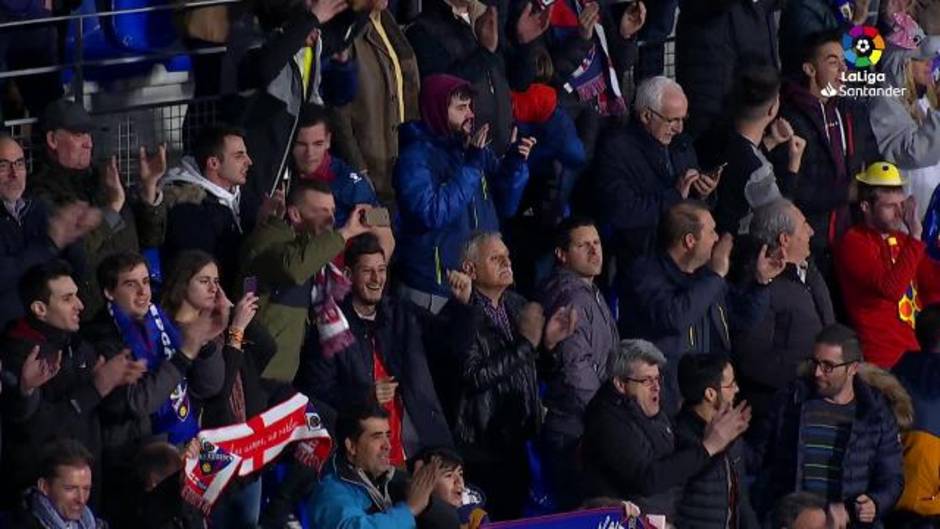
(872, 464)
(630, 456)
(498, 404)
(704, 503)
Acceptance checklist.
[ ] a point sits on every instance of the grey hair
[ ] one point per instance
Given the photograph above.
(631, 351)
(650, 93)
(770, 220)
(471, 248)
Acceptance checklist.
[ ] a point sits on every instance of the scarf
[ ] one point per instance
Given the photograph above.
(594, 79)
(329, 285)
(324, 172)
(49, 518)
(248, 447)
(156, 342)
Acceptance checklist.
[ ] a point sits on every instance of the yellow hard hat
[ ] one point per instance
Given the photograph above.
(881, 174)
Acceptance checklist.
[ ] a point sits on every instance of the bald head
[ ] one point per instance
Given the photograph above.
(12, 169)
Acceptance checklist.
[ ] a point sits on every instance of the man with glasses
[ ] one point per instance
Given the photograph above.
(27, 235)
(717, 496)
(834, 435)
(646, 167)
(629, 449)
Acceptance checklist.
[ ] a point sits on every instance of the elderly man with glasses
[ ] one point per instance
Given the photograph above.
(629, 448)
(834, 435)
(645, 167)
(28, 236)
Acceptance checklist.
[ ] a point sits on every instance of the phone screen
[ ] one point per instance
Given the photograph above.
(250, 285)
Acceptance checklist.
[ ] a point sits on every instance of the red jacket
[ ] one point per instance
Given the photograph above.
(878, 293)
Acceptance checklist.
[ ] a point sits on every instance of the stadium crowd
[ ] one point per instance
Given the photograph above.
(511, 267)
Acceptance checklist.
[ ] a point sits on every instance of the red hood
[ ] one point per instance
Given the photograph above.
(535, 105)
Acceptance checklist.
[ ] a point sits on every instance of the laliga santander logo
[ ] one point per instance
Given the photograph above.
(863, 46)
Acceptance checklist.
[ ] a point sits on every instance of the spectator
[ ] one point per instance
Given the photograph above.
(646, 167)
(800, 510)
(713, 39)
(386, 360)
(160, 505)
(313, 161)
(768, 354)
(287, 72)
(387, 96)
(498, 405)
(448, 184)
(66, 175)
(193, 290)
(554, 168)
(919, 372)
(907, 126)
(627, 412)
(27, 235)
(839, 143)
(448, 37)
(282, 256)
(832, 434)
(60, 497)
(581, 362)
(454, 505)
(60, 384)
(203, 196)
(160, 403)
(749, 180)
(877, 264)
(592, 46)
(361, 487)
(717, 496)
(679, 299)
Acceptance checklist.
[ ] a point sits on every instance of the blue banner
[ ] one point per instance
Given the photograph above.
(606, 518)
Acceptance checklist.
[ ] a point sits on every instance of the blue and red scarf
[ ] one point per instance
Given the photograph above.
(155, 340)
(595, 78)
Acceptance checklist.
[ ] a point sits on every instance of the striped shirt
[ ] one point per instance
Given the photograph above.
(826, 429)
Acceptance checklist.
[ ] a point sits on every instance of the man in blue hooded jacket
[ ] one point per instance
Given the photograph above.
(449, 183)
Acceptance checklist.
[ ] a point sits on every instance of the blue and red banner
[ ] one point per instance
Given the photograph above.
(606, 518)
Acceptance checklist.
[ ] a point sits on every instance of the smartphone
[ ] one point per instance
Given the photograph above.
(378, 217)
(250, 284)
(713, 173)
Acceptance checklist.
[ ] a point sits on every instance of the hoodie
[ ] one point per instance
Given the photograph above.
(202, 216)
(446, 191)
(902, 140)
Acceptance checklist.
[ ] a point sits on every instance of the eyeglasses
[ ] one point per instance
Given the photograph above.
(673, 122)
(648, 381)
(19, 165)
(827, 367)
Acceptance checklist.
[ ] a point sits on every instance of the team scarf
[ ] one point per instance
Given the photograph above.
(329, 285)
(49, 518)
(155, 343)
(603, 518)
(595, 78)
(245, 448)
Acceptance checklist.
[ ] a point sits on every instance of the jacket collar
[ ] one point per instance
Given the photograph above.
(865, 395)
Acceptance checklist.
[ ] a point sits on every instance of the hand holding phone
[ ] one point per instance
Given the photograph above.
(377, 218)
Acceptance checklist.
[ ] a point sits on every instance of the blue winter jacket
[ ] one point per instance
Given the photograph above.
(341, 501)
(445, 192)
(349, 188)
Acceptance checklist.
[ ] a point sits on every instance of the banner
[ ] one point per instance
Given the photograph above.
(247, 447)
(606, 518)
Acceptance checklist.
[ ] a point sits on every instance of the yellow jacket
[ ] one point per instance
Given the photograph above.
(921, 474)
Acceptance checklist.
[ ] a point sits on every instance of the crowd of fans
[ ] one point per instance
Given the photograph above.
(514, 268)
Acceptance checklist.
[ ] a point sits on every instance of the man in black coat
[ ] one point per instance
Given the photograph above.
(768, 354)
(497, 408)
(27, 235)
(716, 497)
(678, 298)
(61, 384)
(839, 143)
(629, 448)
(387, 358)
(646, 167)
(834, 435)
(457, 38)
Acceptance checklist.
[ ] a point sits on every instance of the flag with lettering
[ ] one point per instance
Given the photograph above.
(605, 518)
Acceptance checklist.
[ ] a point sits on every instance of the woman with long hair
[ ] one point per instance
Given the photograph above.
(192, 288)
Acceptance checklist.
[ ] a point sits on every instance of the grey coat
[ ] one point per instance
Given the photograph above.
(581, 362)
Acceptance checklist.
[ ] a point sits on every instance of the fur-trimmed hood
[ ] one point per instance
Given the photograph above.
(185, 184)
